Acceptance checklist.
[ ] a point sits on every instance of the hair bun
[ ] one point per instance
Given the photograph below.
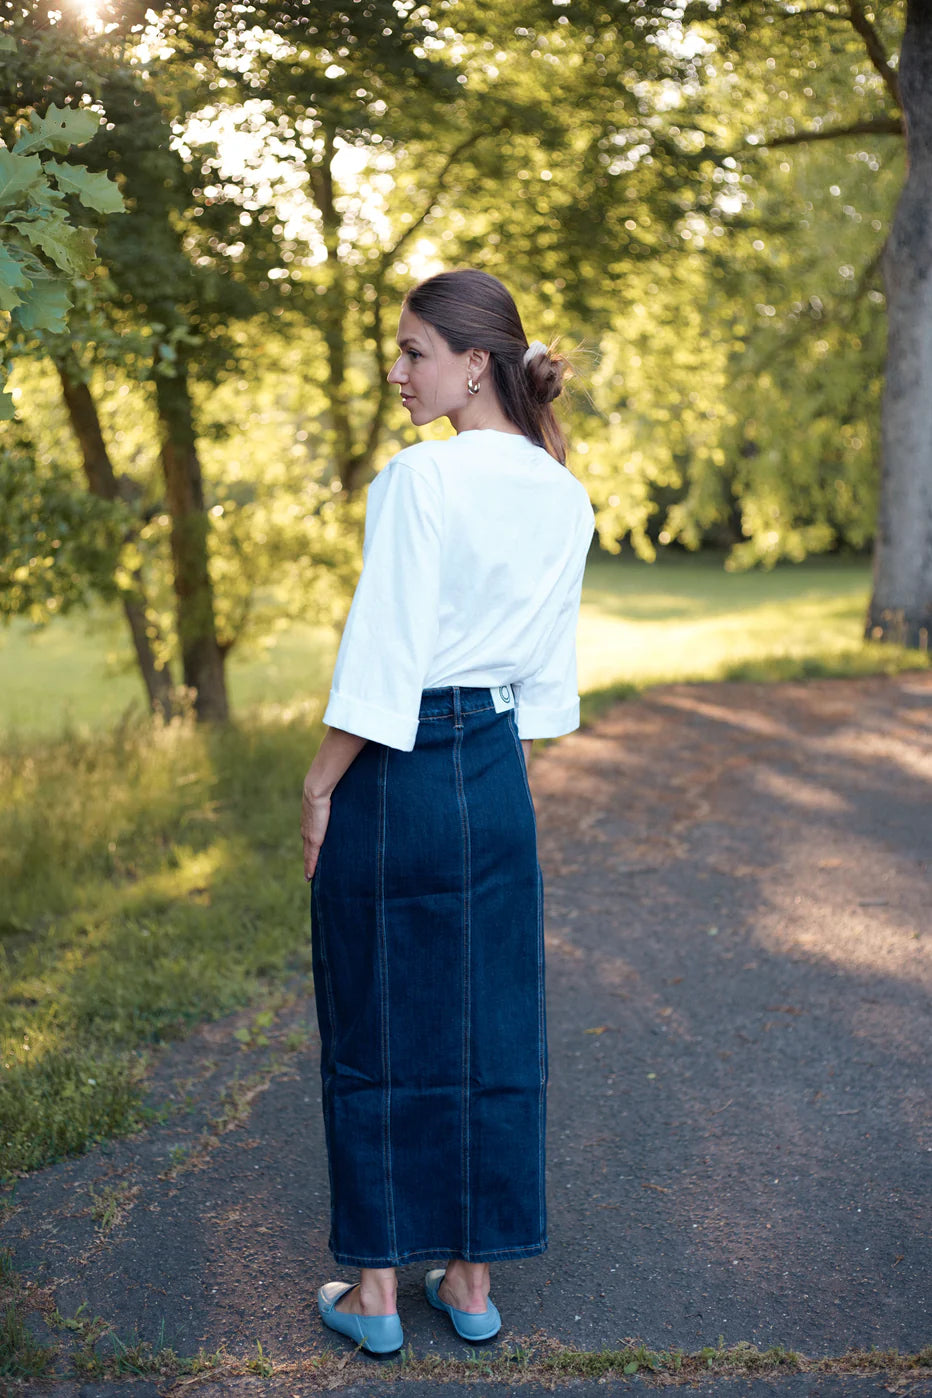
(546, 372)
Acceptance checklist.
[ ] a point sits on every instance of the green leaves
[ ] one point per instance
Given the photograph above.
(42, 252)
(70, 249)
(57, 543)
(59, 130)
(46, 307)
(12, 280)
(95, 191)
(21, 179)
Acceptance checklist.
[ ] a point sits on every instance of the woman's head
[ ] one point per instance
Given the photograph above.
(481, 336)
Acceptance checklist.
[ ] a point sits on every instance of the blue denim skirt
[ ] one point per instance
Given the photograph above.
(427, 915)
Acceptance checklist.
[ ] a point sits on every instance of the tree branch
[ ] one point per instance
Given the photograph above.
(874, 126)
(391, 253)
(839, 313)
(875, 48)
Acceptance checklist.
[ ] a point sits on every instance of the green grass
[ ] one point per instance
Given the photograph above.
(688, 619)
(682, 618)
(101, 1354)
(85, 1346)
(21, 1354)
(78, 673)
(152, 877)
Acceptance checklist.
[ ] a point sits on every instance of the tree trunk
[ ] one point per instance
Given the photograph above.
(201, 655)
(102, 482)
(901, 606)
(331, 312)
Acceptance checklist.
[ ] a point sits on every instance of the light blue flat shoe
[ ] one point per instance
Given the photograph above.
(466, 1324)
(379, 1334)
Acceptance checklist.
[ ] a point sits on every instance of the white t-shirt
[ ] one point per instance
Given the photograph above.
(472, 571)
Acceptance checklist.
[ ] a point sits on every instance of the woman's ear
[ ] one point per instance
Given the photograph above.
(477, 363)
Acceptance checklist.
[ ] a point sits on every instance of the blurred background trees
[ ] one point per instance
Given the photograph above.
(695, 199)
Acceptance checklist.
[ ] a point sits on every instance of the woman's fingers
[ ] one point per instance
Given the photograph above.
(311, 853)
(315, 816)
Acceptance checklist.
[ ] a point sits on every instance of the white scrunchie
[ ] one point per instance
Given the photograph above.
(535, 348)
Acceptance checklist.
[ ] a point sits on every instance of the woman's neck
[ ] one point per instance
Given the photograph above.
(478, 416)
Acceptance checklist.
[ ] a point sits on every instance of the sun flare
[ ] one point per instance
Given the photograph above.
(89, 10)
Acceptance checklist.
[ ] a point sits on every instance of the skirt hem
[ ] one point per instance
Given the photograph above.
(429, 1254)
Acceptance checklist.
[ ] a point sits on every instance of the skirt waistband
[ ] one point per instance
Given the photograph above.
(451, 700)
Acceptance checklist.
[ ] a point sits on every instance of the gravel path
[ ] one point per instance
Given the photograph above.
(740, 954)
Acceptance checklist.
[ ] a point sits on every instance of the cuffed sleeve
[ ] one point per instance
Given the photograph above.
(391, 631)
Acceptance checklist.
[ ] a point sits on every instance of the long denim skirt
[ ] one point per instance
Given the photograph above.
(427, 911)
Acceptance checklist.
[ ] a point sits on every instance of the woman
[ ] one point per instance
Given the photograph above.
(418, 823)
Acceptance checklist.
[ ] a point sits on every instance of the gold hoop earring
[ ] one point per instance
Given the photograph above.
(471, 387)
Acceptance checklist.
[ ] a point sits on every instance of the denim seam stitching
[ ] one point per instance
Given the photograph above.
(384, 1005)
(441, 718)
(541, 1003)
(317, 925)
(322, 940)
(467, 967)
(512, 724)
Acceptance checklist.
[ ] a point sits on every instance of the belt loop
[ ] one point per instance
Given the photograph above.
(457, 707)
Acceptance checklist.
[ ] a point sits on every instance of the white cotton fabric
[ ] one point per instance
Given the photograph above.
(472, 571)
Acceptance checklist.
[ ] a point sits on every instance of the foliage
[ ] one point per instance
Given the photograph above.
(56, 541)
(656, 187)
(285, 541)
(43, 252)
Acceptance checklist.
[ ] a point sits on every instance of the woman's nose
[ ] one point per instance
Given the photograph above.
(396, 373)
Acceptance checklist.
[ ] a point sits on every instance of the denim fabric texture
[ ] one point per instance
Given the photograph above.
(427, 918)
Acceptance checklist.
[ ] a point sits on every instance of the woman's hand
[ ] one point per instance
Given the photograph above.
(335, 755)
(315, 817)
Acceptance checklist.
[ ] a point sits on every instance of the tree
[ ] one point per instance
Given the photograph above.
(52, 553)
(57, 544)
(359, 87)
(153, 275)
(824, 38)
(103, 483)
(901, 606)
(764, 403)
(648, 187)
(42, 250)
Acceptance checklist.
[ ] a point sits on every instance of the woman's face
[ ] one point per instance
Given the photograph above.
(432, 378)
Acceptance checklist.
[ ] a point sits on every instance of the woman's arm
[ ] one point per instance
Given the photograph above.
(334, 756)
(527, 744)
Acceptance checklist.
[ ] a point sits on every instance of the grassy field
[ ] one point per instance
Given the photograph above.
(152, 878)
(78, 673)
(682, 618)
(686, 618)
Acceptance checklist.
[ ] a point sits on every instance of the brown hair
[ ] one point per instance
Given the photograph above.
(473, 310)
